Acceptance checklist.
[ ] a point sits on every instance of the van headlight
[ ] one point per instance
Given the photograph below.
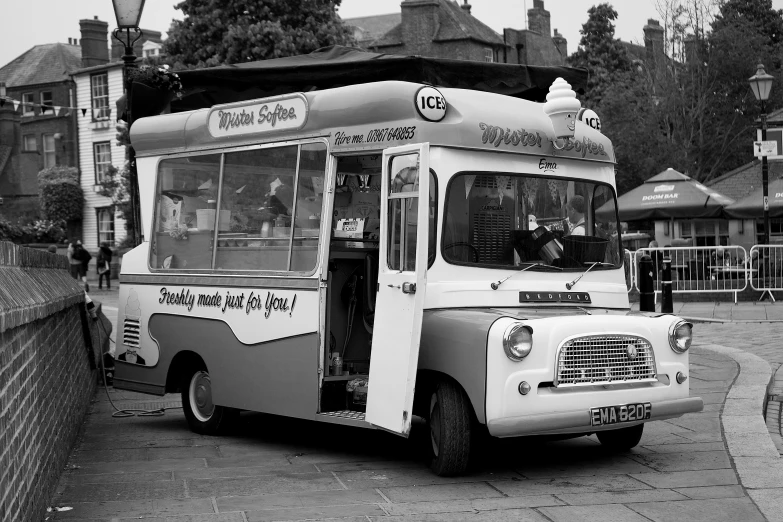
(518, 341)
(680, 336)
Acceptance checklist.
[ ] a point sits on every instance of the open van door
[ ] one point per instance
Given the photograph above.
(402, 275)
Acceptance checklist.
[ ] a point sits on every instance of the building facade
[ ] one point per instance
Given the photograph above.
(446, 29)
(36, 133)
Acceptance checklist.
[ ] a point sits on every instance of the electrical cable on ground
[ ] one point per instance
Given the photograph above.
(128, 412)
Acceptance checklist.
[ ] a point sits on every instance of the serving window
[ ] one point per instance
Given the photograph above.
(249, 210)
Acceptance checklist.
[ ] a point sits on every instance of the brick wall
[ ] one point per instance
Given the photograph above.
(46, 377)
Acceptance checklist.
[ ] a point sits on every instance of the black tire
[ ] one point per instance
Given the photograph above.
(202, 415)
(451, 430)
(622, 439)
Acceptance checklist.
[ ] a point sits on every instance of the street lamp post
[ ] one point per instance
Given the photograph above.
(128, 13)
(761, 84)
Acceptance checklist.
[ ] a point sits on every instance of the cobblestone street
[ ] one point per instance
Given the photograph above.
(271, 468)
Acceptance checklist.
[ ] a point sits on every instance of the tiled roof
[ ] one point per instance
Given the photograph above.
(457, 24)
(392, 37)
(743, 180)
(373, 27)
(46, 63)
(454, 24)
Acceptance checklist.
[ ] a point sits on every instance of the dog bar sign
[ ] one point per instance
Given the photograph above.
(554, 297)
(258, 116)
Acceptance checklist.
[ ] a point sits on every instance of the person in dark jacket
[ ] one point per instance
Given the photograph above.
(104, 265)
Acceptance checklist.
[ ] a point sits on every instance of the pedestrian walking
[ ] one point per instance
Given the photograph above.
(75, 264)
(104, 265)
(83, 257)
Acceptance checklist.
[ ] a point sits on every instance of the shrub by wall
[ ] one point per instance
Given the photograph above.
(47, 376)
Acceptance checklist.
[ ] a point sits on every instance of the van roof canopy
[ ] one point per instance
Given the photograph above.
(338, 66)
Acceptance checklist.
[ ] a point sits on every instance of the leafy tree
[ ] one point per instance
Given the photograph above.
(60, 193)
(217, 32)
(600, 52)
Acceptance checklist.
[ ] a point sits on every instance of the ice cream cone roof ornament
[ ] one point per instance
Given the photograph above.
(562, 107)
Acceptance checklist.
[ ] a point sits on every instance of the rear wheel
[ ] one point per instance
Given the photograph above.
(622, 439)
(451, 429)
(202, 414)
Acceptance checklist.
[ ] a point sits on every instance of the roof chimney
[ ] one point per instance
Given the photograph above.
(95, 42)
(538, 19)
(653, 38)
(466, 6)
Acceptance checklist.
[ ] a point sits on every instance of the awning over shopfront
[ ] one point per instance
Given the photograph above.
(752, 205)
(337, 66)
(671, 195)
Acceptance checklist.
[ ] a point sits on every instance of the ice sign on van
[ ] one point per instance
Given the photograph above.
(589, 117)
(287, 112)
(431, 104)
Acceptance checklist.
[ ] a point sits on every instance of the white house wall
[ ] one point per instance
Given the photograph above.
(92, 132)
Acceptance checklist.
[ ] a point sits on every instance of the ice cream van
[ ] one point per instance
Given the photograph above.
(365, 254)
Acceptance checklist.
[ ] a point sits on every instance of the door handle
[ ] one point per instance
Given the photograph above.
(407, 288)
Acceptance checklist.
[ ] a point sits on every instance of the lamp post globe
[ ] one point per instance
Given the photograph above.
(128, 13)
(761, 84)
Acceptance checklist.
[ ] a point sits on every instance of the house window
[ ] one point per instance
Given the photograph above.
(489, 56)
(50, 157)
(105, 225)
(48, 100)
(28, 99)
(100, 96)
(102, 156)
(29, 143)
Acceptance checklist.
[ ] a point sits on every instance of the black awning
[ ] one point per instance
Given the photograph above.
(338, 66)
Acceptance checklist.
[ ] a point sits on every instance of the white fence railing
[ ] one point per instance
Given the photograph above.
(765, 268)
(700, 269)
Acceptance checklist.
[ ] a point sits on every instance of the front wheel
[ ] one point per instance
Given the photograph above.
(622, 439)
(202, 414)
(451, 430)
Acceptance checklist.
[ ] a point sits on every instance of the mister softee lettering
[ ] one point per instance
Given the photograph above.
(265, 115)
(228, 119)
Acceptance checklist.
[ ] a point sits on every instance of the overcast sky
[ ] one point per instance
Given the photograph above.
(25, 23)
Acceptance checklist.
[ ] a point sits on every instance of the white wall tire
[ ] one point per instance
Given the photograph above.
(202, 414)
(622, 439)
(450, 430)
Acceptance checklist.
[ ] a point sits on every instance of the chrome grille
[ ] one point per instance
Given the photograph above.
(604, 359)
(130, 332)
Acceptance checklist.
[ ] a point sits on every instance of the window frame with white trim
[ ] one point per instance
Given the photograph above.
(107, 233)
(101, 163)
(99, 96)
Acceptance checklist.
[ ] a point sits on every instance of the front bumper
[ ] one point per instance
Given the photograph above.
(578, 421)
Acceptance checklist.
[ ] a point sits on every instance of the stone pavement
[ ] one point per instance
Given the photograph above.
(272, 468)
(714, 465)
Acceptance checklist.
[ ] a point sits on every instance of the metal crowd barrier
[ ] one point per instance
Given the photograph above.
(765, 269)
(701, 269)
(628, 265)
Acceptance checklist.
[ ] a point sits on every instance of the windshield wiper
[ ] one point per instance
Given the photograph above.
(570, 285)
(497, 284)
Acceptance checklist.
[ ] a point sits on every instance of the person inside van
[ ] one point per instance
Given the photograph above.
(575, 209)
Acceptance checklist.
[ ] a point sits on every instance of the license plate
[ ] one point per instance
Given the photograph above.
(619, 414)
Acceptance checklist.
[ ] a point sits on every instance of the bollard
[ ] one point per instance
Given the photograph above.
(667, 301)
(646, 288)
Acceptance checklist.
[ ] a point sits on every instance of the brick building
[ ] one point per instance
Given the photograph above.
(33, 137)
(446, 29)
(99, 84)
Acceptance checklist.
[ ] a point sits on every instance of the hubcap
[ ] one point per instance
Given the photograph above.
(200, 394)
(435, 424)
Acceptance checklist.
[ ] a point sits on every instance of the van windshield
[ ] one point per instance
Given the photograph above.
(506, 220)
